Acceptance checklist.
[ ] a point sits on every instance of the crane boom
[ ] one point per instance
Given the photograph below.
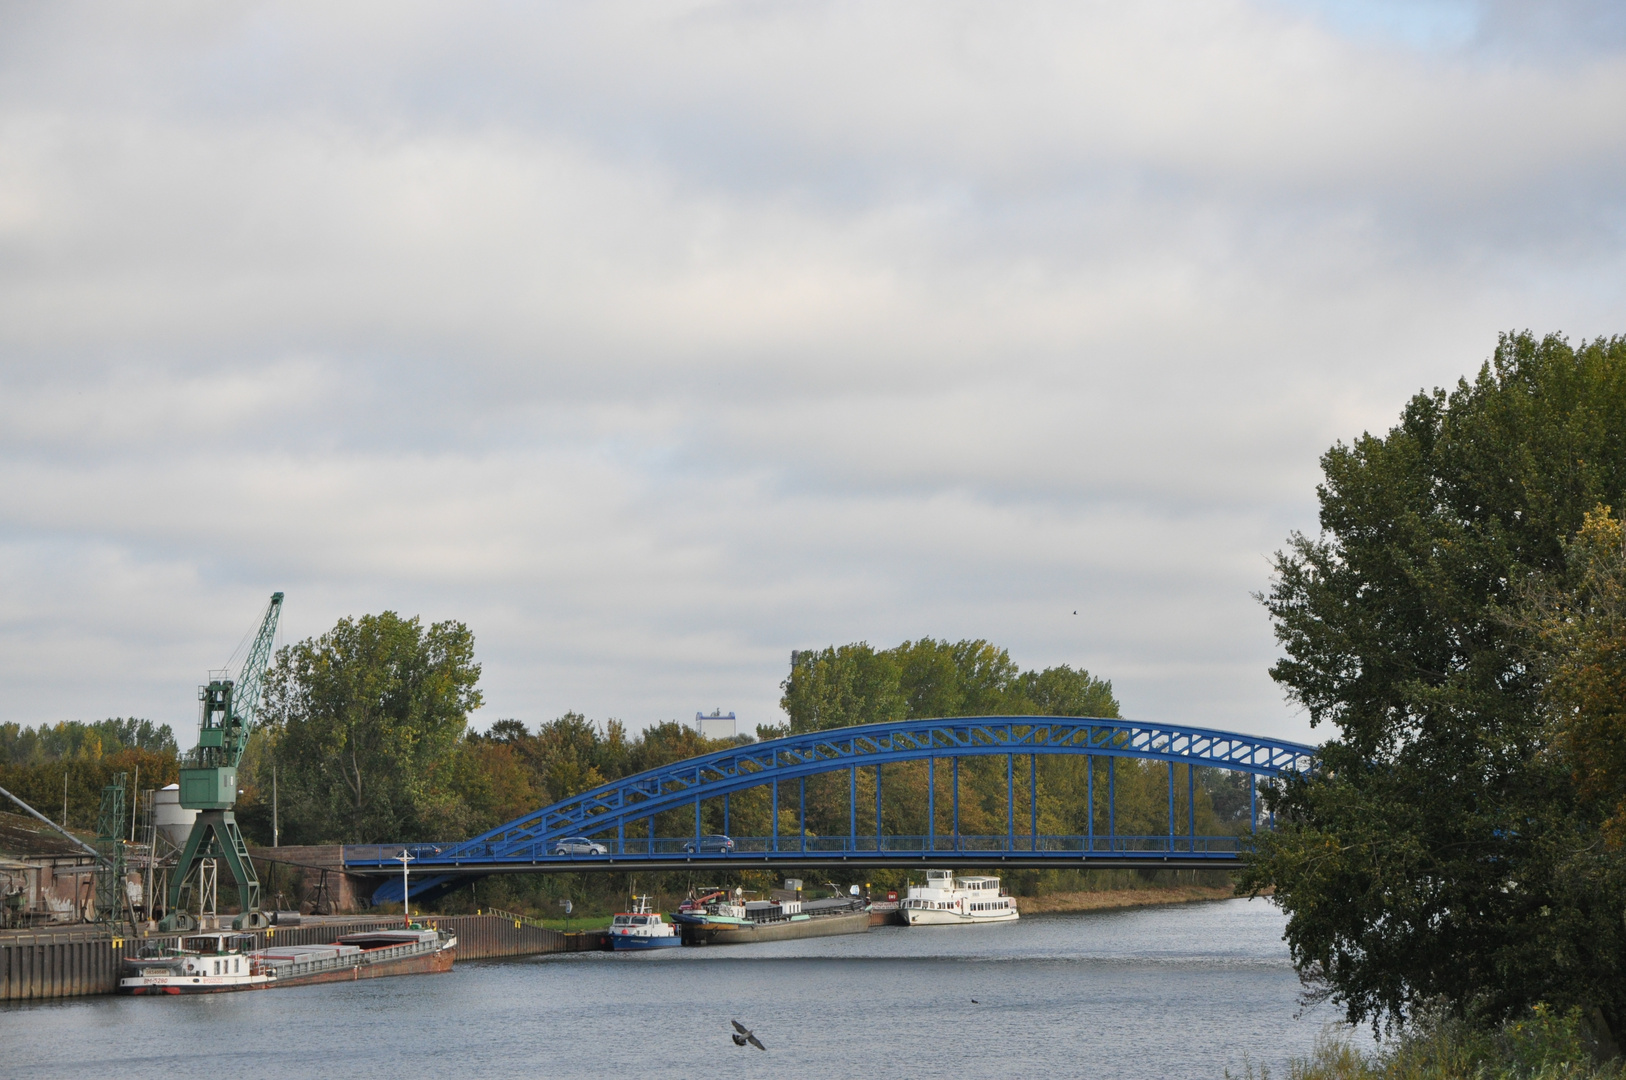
(246, 694)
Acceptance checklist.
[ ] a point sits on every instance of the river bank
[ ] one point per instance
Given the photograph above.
(1109, 899)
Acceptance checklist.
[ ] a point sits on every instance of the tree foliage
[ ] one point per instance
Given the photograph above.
(1443, 849)
(1581, 631)
(43, 764)
(366, 722)
(74, 740)
(843, 685)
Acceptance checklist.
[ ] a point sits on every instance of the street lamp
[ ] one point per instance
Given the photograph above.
(406, 895)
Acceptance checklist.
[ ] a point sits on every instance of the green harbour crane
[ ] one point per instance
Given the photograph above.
(230, 711)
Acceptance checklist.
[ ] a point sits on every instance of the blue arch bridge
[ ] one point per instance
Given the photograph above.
(620, 817)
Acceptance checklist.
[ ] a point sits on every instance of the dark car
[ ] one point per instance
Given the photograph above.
(710, 845)
(578, 845)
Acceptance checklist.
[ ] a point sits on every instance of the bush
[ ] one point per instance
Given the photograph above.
(1542, 1045)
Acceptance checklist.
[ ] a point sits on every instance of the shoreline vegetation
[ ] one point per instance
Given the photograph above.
(1115, 899)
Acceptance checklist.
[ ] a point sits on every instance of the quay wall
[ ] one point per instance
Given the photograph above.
(78, 962)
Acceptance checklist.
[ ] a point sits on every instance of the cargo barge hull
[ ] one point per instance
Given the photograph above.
(856, 922)
(216, 964)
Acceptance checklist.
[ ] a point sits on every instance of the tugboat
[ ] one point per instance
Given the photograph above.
(642, 928)
(221, 961)
(946, 900)
(721, 918)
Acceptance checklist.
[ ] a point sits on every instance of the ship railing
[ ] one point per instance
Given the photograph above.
(519, 920)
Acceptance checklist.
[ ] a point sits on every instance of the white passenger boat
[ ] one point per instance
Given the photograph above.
(946, 900)
(642, 928)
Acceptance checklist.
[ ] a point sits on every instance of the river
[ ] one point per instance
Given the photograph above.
(1167, 992)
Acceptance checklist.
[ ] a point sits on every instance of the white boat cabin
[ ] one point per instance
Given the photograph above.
(948, 899)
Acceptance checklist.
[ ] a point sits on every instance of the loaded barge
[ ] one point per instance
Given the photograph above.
(721, 919)
(219, 962)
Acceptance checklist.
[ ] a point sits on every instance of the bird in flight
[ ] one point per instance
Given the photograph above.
(742, 1035)
(974, 1001)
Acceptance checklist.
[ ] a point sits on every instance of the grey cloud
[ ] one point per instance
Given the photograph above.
(654, 341)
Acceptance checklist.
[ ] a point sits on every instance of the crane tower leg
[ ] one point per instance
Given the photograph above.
(215, 836)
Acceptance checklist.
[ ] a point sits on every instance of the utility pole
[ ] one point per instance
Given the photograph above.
(276, 835)
(64, 794)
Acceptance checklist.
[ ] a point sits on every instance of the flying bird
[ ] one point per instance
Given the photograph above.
(742, 1035)
(974, 1001)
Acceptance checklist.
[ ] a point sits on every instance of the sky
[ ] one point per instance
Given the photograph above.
(655, 341)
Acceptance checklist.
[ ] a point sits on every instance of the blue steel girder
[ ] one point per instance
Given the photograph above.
(680, 784)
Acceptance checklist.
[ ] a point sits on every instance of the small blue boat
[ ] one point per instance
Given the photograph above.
(642, 928)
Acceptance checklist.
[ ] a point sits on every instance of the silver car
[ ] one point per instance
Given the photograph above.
(578, 845)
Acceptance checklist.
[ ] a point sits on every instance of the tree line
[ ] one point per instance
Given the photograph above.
(367, 733)
(366, 739)
(60, 769)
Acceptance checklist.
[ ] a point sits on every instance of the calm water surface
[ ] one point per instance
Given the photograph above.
(1181, 991)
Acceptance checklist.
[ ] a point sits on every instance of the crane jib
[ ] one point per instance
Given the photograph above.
(230, 710)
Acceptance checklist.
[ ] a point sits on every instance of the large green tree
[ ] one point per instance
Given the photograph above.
(1441, 851)
(366, 724)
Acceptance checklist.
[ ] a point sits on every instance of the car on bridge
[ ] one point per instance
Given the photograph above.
(710, 845)
(578, 845)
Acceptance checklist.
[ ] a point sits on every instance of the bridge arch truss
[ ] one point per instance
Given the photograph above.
(620, 815)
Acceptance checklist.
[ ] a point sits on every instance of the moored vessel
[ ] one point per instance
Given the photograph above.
(721, 918)
(222, 961)
(946, 900)
(642, 928)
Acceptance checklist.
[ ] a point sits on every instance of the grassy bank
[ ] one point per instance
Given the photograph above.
(1104, 899)
(574, 925)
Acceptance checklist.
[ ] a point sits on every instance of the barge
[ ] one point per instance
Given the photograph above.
(219, 962)
(720, 919)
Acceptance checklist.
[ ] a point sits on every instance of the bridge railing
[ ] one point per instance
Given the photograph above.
(755, 848)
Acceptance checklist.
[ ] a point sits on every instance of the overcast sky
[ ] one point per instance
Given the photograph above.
(656, 341)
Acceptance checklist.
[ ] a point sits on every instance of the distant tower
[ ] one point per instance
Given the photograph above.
(719, 725)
